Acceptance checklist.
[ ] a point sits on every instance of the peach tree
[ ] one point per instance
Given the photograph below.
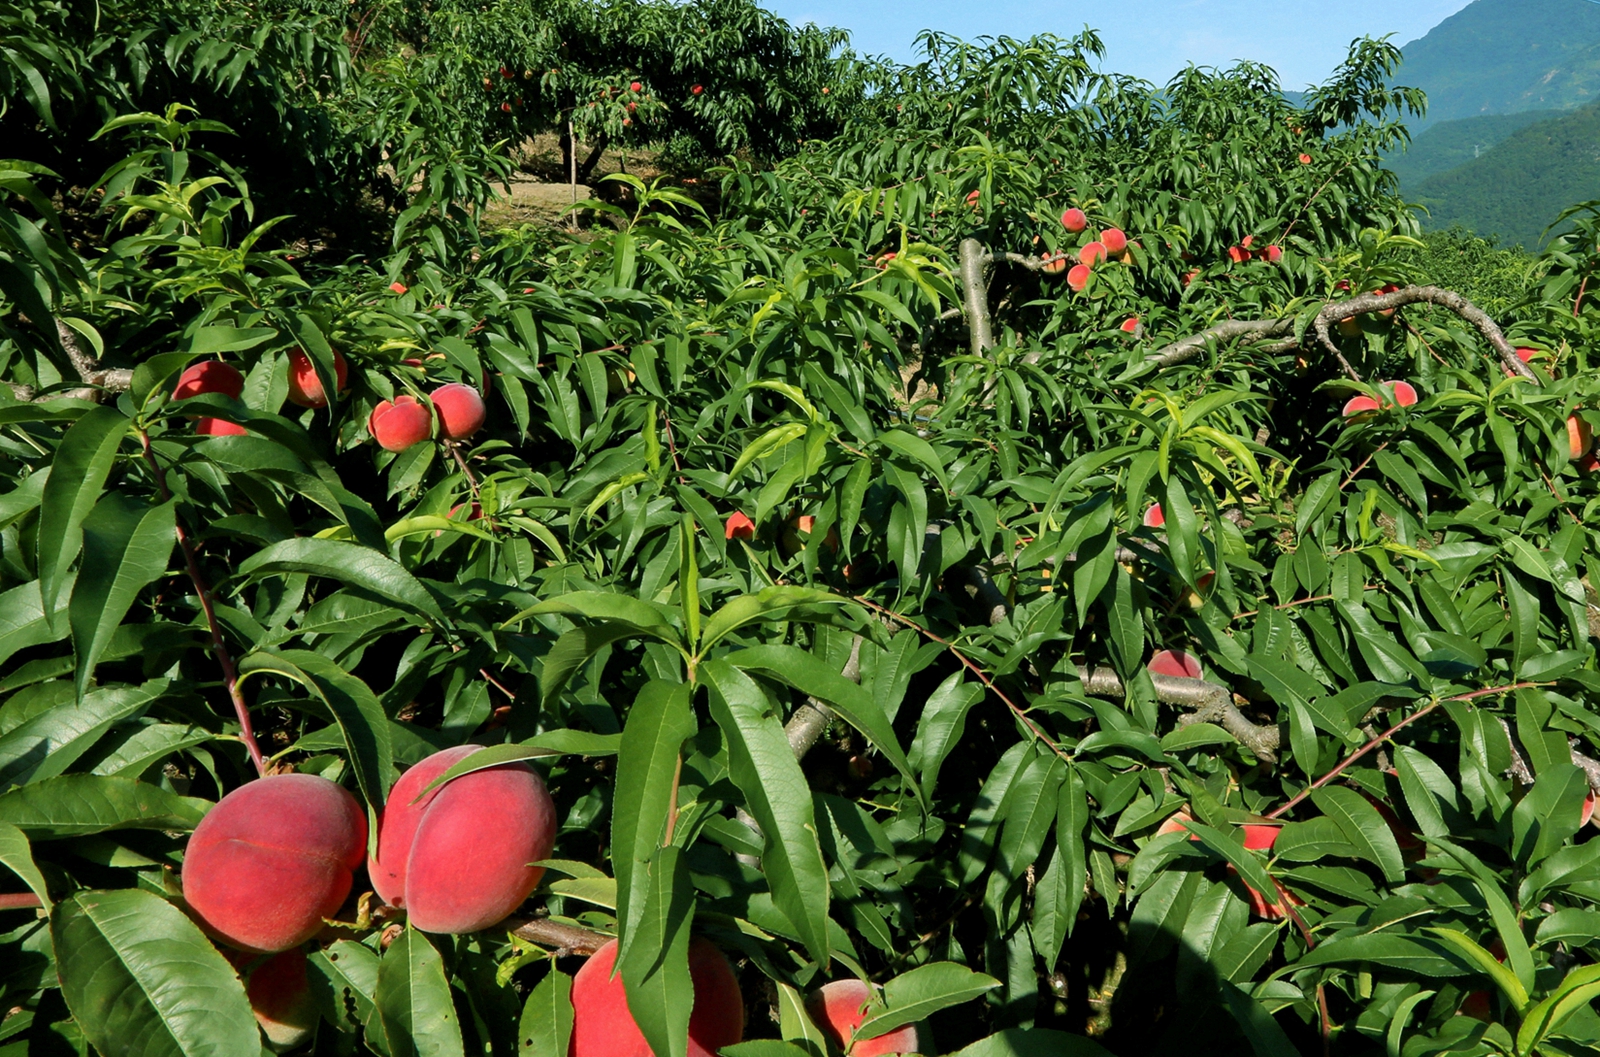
(824, 625)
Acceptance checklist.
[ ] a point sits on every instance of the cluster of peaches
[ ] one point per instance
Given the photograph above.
(396, 425)
(278, 856)
(1110, 244)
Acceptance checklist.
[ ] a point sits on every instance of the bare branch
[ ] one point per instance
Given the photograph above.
(566, 939)
(1208, 702)
(1429, 295)
(975, 294)
(1191, 347)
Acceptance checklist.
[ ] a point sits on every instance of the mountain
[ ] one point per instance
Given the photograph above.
(1505, 57)
(1444, 146)
(1522, 183)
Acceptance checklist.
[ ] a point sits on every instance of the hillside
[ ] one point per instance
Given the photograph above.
(1521, 184)
(1507, 56)
(1448, 144)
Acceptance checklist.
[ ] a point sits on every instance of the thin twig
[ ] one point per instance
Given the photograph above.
(19, 900)
(230, 675)
(455, 451)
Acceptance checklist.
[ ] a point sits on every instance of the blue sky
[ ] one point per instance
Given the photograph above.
(1152, 39)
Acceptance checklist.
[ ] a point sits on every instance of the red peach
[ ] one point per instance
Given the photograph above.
(1387, 288)
(1114, 239)
(1092, 254)
(1580, 438)
(272, 859)
(1260, 836)
(1054, 263)
(1176, 663)
(398, 287)
(210, 376)
(1274, 254)
(739, 527)
(1074, 220)
(837, 1009)
(602, 1026)
(1589, 463)
(1588, 809)
(1359, 405)
(972, 198)
(281, 998)
(1305, 159)
(1078, 277)
(1131, 326)
(1247, 241)
(1190, 276)
(1404, 393)
(1153, 517)
(635, 87)
(792, 542)
(305, 388)
(1237, 254)
(401, 424)
(696, 90)
(207, 426)
(461, 410)
(458, 860)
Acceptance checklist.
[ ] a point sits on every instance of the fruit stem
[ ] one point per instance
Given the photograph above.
(230, 675)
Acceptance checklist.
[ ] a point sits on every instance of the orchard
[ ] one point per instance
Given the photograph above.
(983, 557)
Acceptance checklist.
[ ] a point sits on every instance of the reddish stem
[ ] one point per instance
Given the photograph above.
(230, 675)
(19, 900)
(1577, 302)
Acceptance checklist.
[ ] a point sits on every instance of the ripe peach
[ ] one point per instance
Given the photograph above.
(1131, 326)
(1153, 517)
(458, 859)
(401, 424)
(792, 542)
(1387, 288)
(1238, 254)
(461, 410)
(305, 388)
(1404, 393)
(739, 527)
(1054, 263)
(1074, 220)
(272, 859)
(837, 1010)
(603, 1027)
(1305, 159)
(207, 426)
(397, 287)
(1273, 254)
(1589, 463)
(1359, 406)
(210, 376)
(1078, 277)
(696, 89)
(1588, 809)
(1580, 438)
(1114, 240)
(1092, 254)
(1177, 663)
(972, 198)
(280, 998)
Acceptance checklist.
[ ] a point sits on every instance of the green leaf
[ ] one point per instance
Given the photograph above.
(1504, 978)
(1033, 1042)
(659, 722)
(17, 856)
(762, 765)
(1421, 955)
(769, 606)
(1363, 827)
(1249, 866)
(355, 709)
(573, 650)
(76, 805)
(795, 1023)
(78, 472)
(1576, 991)
(656, 973)
(546, 1027)
(126, 547)
(804, 672)
(940, 726)
(50, 742)
(1267, 1039)
(413, 1000)
(1400, 1020)
(1550, 814)
(918, 450)
(141, 980)
(923, 991)
(764, 1048)
(348, 563)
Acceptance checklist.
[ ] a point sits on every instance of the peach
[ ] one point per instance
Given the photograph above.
(305, 388)
(1387, 288)
(793, 542)
(1153, 517)
(1273, 254)
(461, 410)
(1074, 220)
(1305, 159)
(739, 527)
(603, 1027)
(1360, 405)
(281, 999)
(458, 860)
(1238, 254)
(972, 198)
(1349, 327)
(210, 376)
(272, 859)
(1078, 277)
(837, 1010)
(1131, 326)
(1588, 809)
(1114, 240)
(1580, 438)
(1404, 393)
(1176, 663)
(401, 424)
(1054, 263)
(1589, 463)
(1092, 254)
(207, 426)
